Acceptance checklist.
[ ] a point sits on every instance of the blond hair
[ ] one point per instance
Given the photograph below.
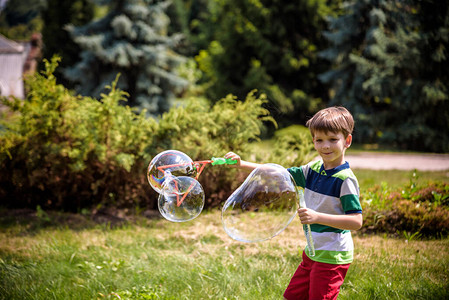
(335, 119)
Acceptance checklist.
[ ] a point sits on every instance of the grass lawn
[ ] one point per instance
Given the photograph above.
(46, 255)
(157, 259)
(397, 178)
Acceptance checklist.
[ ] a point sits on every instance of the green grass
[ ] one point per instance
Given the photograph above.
(157, 259)
(46, 255)
(397, 178)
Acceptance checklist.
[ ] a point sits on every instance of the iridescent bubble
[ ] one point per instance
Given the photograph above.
(263, 206)
(173, 161)
(181, 198)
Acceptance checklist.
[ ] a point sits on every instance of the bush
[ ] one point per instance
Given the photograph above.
(61, 151)
(292, 146)
(67, 152)
(422, 211)
(203, 131)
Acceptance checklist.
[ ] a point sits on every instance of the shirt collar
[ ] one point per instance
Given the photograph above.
(335, 170)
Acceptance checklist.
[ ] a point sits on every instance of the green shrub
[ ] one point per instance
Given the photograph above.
(292, 146)
(413, 210)
(61, 151)
(203, 131)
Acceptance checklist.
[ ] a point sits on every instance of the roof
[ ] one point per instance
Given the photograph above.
(8, 46)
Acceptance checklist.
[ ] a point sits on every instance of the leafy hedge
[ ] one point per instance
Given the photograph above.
(62, 151)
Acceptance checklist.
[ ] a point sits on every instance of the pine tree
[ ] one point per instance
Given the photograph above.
(19, 19)
(131, 40)
(346, 35)
(270, 46)
(56, 39)
(390, 69)
(193, 19)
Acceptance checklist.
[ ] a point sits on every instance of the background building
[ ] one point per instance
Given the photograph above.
(17, 58)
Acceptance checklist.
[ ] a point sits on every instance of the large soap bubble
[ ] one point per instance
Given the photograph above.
(181, 198)
(263, 206)
(173, 161)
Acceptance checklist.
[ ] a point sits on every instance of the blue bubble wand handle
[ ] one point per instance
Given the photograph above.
(307, 231)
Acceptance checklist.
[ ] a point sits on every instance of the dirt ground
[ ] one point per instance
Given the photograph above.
(384, 161)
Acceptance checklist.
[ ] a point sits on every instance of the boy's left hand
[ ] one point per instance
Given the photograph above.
(307, 215)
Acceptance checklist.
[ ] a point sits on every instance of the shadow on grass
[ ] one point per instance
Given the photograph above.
(32, 221)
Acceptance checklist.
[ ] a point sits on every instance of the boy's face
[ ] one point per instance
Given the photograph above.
(331, 146)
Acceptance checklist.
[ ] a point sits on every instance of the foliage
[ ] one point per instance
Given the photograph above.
(290, 146)
(55, 37)
(67, 152)
(387, 60)
(229, 125)
(266, 45)
(203, 131)
(19, 19)
(70, 152)
(390, 69)
(414, 210)
(132, 40)
(194, 18)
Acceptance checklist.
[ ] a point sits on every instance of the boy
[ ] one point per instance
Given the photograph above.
(331, 194)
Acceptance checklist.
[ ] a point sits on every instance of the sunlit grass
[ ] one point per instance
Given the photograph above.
(397, 178)
(61, 257)
(157, 259)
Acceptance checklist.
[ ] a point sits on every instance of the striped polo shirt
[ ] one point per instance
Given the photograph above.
(335, 192)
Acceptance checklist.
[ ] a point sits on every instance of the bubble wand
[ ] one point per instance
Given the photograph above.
(307, 230)
(199, 167)
(261, 208)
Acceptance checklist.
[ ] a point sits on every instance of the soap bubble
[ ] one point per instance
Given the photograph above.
(181, 198)
(263, 206)
(173, 161)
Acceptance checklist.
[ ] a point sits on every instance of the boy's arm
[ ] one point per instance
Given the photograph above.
(345, 222)
(241, 164)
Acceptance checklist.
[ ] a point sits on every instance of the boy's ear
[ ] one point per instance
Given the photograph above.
(348, 141)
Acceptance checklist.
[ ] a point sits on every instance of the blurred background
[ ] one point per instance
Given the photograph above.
(93, 89)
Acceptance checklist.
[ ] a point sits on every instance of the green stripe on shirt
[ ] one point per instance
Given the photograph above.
(325, 228)
(350, 202)
(332, 257)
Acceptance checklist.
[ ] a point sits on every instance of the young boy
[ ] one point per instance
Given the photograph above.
(331, 194)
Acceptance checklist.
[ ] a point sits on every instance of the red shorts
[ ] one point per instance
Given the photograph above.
(315, 280)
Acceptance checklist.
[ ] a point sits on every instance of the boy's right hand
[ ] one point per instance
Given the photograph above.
(307, 216)
(233, 156)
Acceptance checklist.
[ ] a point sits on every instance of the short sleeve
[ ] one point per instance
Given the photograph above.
(298, 175)
(349, 196)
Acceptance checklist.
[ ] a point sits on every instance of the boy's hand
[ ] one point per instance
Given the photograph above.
(344, 222)
(307, 216)
(241, 164)
(232, 155)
